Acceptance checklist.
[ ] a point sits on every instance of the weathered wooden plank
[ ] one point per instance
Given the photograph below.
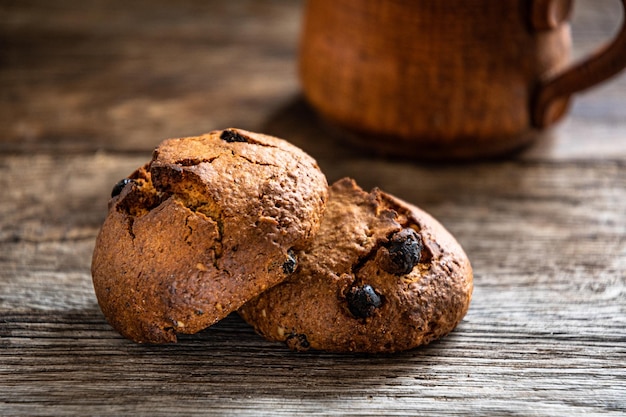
(545, 335)
(87, 75)
(515, 369)
(518, 369)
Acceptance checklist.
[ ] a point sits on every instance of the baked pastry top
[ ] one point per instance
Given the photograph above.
(380, 276)
(209, 223)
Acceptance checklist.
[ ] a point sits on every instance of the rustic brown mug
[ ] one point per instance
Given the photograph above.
(445, 78)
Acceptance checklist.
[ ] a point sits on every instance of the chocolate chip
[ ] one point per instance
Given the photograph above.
(117, 188)
(231, 136)
(402, 252)
(297, 342)
(362, 301)
(291, 263)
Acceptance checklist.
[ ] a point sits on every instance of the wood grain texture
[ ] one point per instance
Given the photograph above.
(87, 75)
(431, 80)
(545, 335)
(87, 89)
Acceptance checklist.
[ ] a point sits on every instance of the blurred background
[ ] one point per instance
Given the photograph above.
(119, 75)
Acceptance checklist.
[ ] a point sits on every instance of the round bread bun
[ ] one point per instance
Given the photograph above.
(380, 276)
(208, 224)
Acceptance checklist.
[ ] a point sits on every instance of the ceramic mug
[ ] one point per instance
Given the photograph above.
(445, 78)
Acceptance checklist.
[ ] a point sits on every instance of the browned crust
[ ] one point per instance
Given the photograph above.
(309, 310)
(204, 227)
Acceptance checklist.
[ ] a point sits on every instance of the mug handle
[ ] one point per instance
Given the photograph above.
(553, 94)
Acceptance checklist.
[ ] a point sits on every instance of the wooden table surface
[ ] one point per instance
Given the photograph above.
(88, 88)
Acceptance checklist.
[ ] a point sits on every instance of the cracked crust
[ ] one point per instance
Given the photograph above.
(345, 297)
(209, 223)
